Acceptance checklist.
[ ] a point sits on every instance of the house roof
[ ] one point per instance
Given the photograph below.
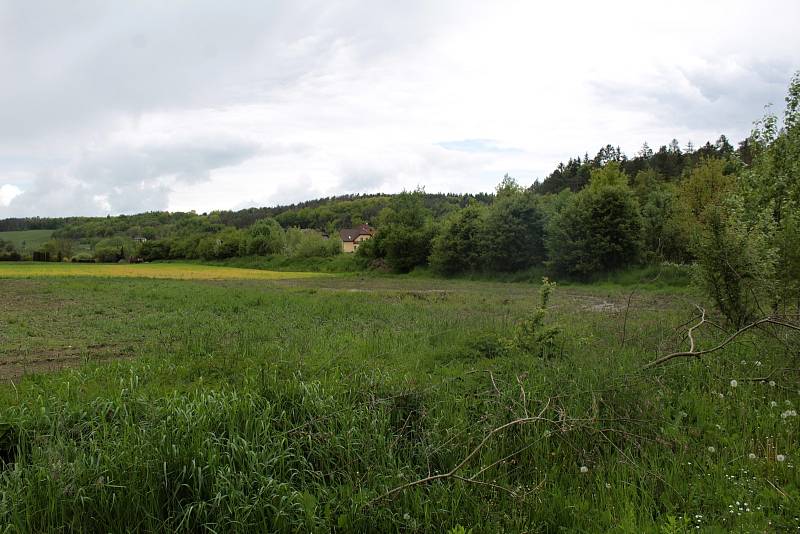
(350, 234)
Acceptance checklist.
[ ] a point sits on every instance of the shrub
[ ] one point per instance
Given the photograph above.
(736, 262)
(155, 250)
(665, 234)
(225, 244)
(108, 254)
(404, 235)
(457, 247)
(8, 252)
(513, 232)
(598, 230)
(264, 237)
(532, 335)
(310, 244)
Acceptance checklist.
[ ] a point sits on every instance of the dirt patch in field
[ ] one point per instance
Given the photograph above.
(16, 363)
(616, 303)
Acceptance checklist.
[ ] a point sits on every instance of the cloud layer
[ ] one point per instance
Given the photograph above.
(119, 107)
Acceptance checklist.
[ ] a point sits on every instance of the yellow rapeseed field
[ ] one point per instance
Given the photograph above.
(177, 271)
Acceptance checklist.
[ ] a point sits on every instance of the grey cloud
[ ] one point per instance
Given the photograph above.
(74, 64)
(127, 180)
(714, 98)
(189, 161)
(76, 72)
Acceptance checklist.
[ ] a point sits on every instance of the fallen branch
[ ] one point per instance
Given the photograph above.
(697, 353)
(453, 473)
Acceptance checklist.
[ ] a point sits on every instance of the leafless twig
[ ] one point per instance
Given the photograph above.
(453, 473)
(697, 353)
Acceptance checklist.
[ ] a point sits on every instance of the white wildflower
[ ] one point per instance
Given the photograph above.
(780, 457)
(734, 383)
(773, 404)
(752, 456)
(772, 383)
(584, 469)
(712, 449)
(758, 363)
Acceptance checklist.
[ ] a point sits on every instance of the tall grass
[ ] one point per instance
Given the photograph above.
(297, 406)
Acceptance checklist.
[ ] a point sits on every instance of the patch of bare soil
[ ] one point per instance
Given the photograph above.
(17, 363)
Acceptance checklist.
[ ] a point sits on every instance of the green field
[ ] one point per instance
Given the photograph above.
(27, 240)
(379, 404)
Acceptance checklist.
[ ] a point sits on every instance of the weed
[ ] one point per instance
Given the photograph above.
(533, 336)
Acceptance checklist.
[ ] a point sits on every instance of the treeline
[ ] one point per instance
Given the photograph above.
(734, 214)
(34, 223)
(305, 229)
(265, 237)
(589, 216)
(343, 211)
(669, 163)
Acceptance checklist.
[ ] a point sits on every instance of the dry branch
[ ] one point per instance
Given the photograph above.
(453, 473)
(697, 353)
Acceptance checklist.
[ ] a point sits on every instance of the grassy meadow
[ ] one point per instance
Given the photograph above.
(191, 398)
(27, 240)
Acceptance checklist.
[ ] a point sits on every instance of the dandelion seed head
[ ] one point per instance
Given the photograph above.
(584, 469)
(780, 457)
(734, 383)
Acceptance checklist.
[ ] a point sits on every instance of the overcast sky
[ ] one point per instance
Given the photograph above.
(122, 107)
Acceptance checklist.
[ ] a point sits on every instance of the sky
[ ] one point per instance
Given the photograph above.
(112, 107)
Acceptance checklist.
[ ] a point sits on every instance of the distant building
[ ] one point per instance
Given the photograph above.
(353, 237)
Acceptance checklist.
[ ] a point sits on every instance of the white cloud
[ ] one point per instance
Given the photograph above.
(7, 193)
(120, 107)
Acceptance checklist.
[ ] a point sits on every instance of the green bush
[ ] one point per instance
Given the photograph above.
(736, 262)
(310, 244)
(512, 238)
(533, 335)
(598, 230)
(404, 235)
(8, 252)
(457, 247)
(264, 237)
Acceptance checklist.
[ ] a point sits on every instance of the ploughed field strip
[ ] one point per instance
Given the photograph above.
(156, 270)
